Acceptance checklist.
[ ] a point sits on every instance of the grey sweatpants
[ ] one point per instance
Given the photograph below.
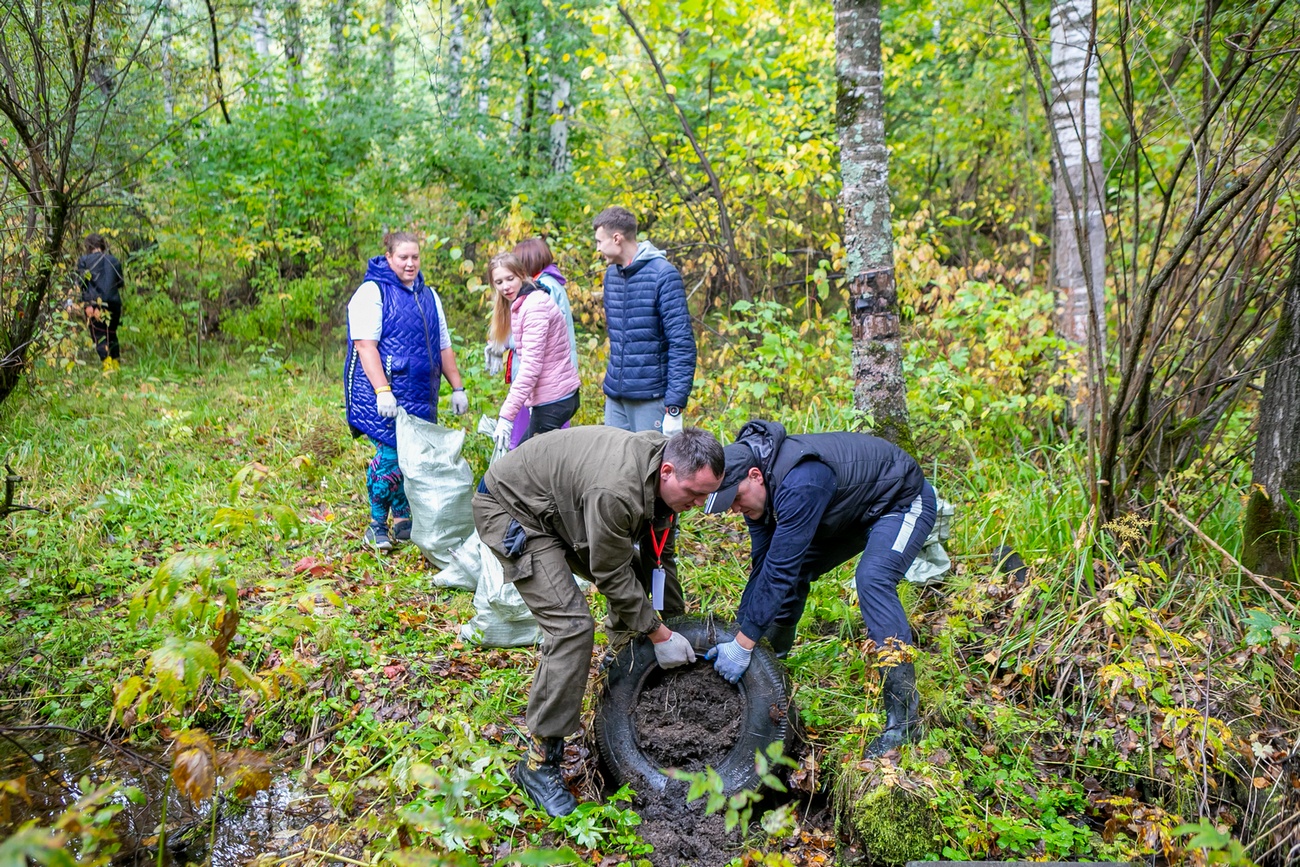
(634, 415)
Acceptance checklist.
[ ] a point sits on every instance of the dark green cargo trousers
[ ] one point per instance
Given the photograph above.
(543, 575)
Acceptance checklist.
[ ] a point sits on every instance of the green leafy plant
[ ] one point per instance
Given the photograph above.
(739, 807)
(601, 825)
(82, 835)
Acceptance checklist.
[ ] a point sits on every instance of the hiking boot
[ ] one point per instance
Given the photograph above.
(538, 774)
(377, 538)
(110, 365)
(402, 530)
(782, 639)
(901, 723)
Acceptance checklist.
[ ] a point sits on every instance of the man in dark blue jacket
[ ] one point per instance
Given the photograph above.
(812, 502)
(651, 346)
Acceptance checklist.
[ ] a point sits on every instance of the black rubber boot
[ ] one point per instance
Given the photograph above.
(782, 639)
(901, 723)
(538, 774)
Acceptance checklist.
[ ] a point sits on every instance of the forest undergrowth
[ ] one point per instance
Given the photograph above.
(199, 584)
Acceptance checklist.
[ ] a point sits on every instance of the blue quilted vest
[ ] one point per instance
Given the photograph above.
(408, 347)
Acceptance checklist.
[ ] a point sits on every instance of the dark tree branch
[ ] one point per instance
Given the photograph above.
(724, 221)
(216, 60)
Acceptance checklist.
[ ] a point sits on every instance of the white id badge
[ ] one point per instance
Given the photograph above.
(657, 589)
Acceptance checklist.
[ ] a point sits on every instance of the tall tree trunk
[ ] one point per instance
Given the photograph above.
(293, 45)
(878, 388)
(338, 12)
(1269, 532)
(1080, 239)
(261, 30)
(390, 32)
(165, 59)
(559, 105)
(455, 54)
(484, 67)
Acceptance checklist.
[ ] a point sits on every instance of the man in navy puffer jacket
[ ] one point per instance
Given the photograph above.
(651, 346)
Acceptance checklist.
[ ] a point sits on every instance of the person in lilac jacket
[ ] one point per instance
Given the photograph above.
(546, 382)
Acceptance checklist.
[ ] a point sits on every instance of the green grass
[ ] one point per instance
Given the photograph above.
(1029, 689)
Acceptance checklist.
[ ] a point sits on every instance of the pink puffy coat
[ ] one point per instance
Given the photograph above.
(542, 339)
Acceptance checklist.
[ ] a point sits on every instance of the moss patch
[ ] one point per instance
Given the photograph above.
(1268, 543)
(894, 826)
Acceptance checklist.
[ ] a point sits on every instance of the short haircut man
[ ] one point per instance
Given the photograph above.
(615, 219)
(600, 502)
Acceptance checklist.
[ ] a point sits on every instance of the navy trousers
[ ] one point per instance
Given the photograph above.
(892, 543)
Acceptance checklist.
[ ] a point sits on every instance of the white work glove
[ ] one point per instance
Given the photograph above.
(459, 402)
(729, 660)
(672, 424)
(494, 359)
(674, 652)
(502, 433)
(386, 404)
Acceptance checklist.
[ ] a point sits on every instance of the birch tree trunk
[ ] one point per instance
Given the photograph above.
(1269, 529)
(1080, 240)
(455, 54)
(261, 30)
(484, 67)
(878, 388)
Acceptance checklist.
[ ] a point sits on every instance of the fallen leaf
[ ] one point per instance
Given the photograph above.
(194, 769)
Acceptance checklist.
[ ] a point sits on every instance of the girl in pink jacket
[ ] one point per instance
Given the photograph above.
(544, 378)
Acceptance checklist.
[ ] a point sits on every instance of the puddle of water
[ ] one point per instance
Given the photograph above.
(54, 769)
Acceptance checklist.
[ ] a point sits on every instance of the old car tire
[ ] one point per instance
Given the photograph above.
(764, 689)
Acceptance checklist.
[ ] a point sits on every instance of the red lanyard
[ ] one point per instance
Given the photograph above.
(660, 544)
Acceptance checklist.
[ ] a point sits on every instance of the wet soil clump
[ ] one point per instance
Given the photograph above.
(681, 833)
(690, 719)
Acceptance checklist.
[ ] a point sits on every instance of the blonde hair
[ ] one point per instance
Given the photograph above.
(499, 327)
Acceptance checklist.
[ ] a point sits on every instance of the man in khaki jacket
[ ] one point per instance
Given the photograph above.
(601, 502)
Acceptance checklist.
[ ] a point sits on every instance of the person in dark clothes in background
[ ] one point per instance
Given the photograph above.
(99, 275)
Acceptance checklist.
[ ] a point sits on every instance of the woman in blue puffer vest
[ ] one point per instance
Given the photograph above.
(399, 349)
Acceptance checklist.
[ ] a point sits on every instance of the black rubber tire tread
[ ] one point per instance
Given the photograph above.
(764, 689)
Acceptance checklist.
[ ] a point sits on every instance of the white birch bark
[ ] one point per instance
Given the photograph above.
(455, 55)
(879, 388)
(1080, 240)
(484, 65)
(261, 30)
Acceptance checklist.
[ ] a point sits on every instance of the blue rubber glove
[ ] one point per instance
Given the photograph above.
(729, 660)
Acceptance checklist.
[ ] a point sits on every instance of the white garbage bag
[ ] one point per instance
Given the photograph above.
(439, 485)
(932, 561)
(502, 618)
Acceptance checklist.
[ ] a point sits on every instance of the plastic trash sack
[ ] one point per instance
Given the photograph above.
(502, 618)
(439, 485)
(932, 561)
